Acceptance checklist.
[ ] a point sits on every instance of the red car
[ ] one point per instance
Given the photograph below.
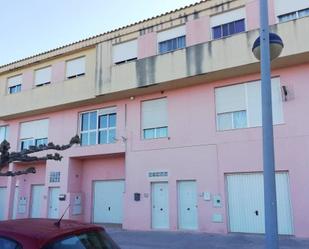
(48, 234)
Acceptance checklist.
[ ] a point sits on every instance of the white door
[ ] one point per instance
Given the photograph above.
(187, 205)
(2, 202)
(36, 201)
(246, 203)
(15, 204)
(160, 210)
(108, 202)
(53, 205)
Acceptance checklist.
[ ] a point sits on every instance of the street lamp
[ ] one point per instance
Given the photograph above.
(266, 48)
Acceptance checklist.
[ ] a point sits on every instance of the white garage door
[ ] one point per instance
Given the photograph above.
(2, 202)
(246, 203)
(108, 202)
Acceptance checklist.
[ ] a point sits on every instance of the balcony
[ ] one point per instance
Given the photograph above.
(210, 61)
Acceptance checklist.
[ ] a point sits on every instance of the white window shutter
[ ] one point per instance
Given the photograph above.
(227, 17)
(15, 80)
(285, 6)
(125, 51)
(108, 110)
(34, 129)
(230, 98)
(255, 102)
(75, 67)
(171, 33)
(154, 113)
(42, 75)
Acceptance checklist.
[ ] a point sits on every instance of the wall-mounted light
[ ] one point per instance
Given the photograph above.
(285, 92)
(132, 98)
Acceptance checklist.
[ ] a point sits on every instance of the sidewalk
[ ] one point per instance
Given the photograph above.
(187, 240)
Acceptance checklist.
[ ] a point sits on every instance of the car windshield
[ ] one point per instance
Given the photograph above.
(89, 240)
(9, 244)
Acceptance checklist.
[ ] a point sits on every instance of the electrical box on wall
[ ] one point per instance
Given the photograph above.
(137, 196)
(77, 204)
(217, 201)
(207, 196)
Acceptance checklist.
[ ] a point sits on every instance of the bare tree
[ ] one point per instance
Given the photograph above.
(7, 157)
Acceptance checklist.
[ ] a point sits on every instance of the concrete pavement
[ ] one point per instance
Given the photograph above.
(188, 240)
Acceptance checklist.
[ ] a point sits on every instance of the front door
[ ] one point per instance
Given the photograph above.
(53, 206)
(108, 202)
(160, 210)
(187, 205)
(2, 202)
(36, 201)
(15, 204)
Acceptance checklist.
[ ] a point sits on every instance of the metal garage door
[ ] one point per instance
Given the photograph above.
(246, 203)
(2, 202)
(108, 202)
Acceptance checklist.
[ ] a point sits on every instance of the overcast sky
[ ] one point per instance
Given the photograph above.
(29, 27)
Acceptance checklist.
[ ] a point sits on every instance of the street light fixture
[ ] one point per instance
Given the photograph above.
(266, 48)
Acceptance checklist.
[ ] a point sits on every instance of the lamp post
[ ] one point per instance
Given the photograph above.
(266, 48)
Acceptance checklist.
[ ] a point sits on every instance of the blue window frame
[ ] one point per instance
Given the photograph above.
(15, 89)
(293, 15)
(172, 44)
(228, 29)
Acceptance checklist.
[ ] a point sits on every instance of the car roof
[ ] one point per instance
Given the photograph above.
(42, 231)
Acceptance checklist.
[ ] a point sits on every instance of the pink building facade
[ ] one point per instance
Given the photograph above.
(163, 151)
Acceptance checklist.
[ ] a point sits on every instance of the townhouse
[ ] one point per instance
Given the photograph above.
(169, 114)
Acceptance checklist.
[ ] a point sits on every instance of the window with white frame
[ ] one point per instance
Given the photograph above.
(293, 15)
(14, 84)
(239, 106)
(289, 10)
(3, 133)
(98, 127)
(171, 39)
(125, 52)
(33, 133)
(228, 23)
(154, 118)
(42, 76)
(75, 68)
(54, 176)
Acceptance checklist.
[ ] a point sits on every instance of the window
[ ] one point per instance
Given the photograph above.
(154, 118)
(42, 76)
(98, 127)
(172, 44)
(33, 133)
(54, 176)
(14, 84)
(228, 23)
(171, 39)
(87, 240)
(6, 243)
(3, 133)
(125, 52)
(293, 15)
(239, 106)
(75, 68)
(228, 29)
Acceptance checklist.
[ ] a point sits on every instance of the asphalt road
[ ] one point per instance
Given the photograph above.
(187, 240)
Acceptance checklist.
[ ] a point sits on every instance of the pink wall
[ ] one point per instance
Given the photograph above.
(197, 31)
(193, 151)
(147, 45)
(253, 14)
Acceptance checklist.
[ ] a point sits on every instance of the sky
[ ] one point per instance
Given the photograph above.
(30, 27)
